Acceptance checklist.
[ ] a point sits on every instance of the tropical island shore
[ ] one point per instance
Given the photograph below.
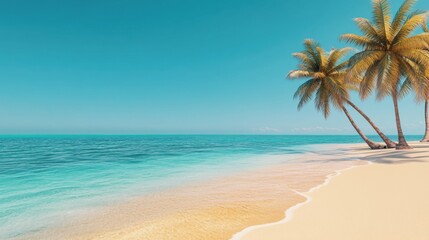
(387, 199)
(214, 209)
(340, 191)
(335, 191)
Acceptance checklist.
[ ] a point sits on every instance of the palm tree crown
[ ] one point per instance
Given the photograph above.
(389, 51)
(325, 77)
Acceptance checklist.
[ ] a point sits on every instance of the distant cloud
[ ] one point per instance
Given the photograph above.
(267, 130)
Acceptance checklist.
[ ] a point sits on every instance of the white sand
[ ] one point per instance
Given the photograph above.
(388, 199)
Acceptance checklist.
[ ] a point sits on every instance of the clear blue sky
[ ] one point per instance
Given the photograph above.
(147, 67)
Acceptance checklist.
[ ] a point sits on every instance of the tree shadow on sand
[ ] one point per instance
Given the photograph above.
(396, 157)
(384, 156)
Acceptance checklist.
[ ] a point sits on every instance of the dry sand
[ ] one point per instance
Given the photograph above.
(388, 199)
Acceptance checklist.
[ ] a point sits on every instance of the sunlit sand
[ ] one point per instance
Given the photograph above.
(384, 200)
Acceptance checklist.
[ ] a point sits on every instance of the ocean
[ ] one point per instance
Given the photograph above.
(47, 179)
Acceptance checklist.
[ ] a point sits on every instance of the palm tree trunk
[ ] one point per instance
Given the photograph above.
(402, 143)
(426, 137)
(389, 143)
(370, 143)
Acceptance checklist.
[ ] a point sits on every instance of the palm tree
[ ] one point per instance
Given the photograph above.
(389, 143)
(426, 136)
(325, 82)
(390, 53)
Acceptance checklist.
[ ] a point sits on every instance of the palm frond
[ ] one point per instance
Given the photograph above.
(384, 68)
(360, 62)
(367, 83)
(369, 30)
(340, 67)
(381, 17)
(418, 56)
(294, 74)
(304, 59)
(416, 76)
(401, 15)
(360, 41)
(322, 100)
(420, 41)
(415, 20)
(335, 56)
(405, 88)
(311, 51)
(305, 92)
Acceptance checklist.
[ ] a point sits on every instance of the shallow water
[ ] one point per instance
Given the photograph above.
(45, 179)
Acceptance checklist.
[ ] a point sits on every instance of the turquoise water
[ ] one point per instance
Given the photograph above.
(46, 179)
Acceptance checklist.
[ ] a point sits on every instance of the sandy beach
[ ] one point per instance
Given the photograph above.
(215, 209)
(387, 199)
(334, 192)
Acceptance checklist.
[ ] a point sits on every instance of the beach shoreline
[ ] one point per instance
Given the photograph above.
(335, 210)
(216, 209)
(290, 211)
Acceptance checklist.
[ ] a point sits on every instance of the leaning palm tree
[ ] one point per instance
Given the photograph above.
(325, 82)
(390, 54)
(389, 143)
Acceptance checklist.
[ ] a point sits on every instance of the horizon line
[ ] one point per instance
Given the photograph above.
(184, 134)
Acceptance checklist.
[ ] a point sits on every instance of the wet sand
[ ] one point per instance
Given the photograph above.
(215, 209)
